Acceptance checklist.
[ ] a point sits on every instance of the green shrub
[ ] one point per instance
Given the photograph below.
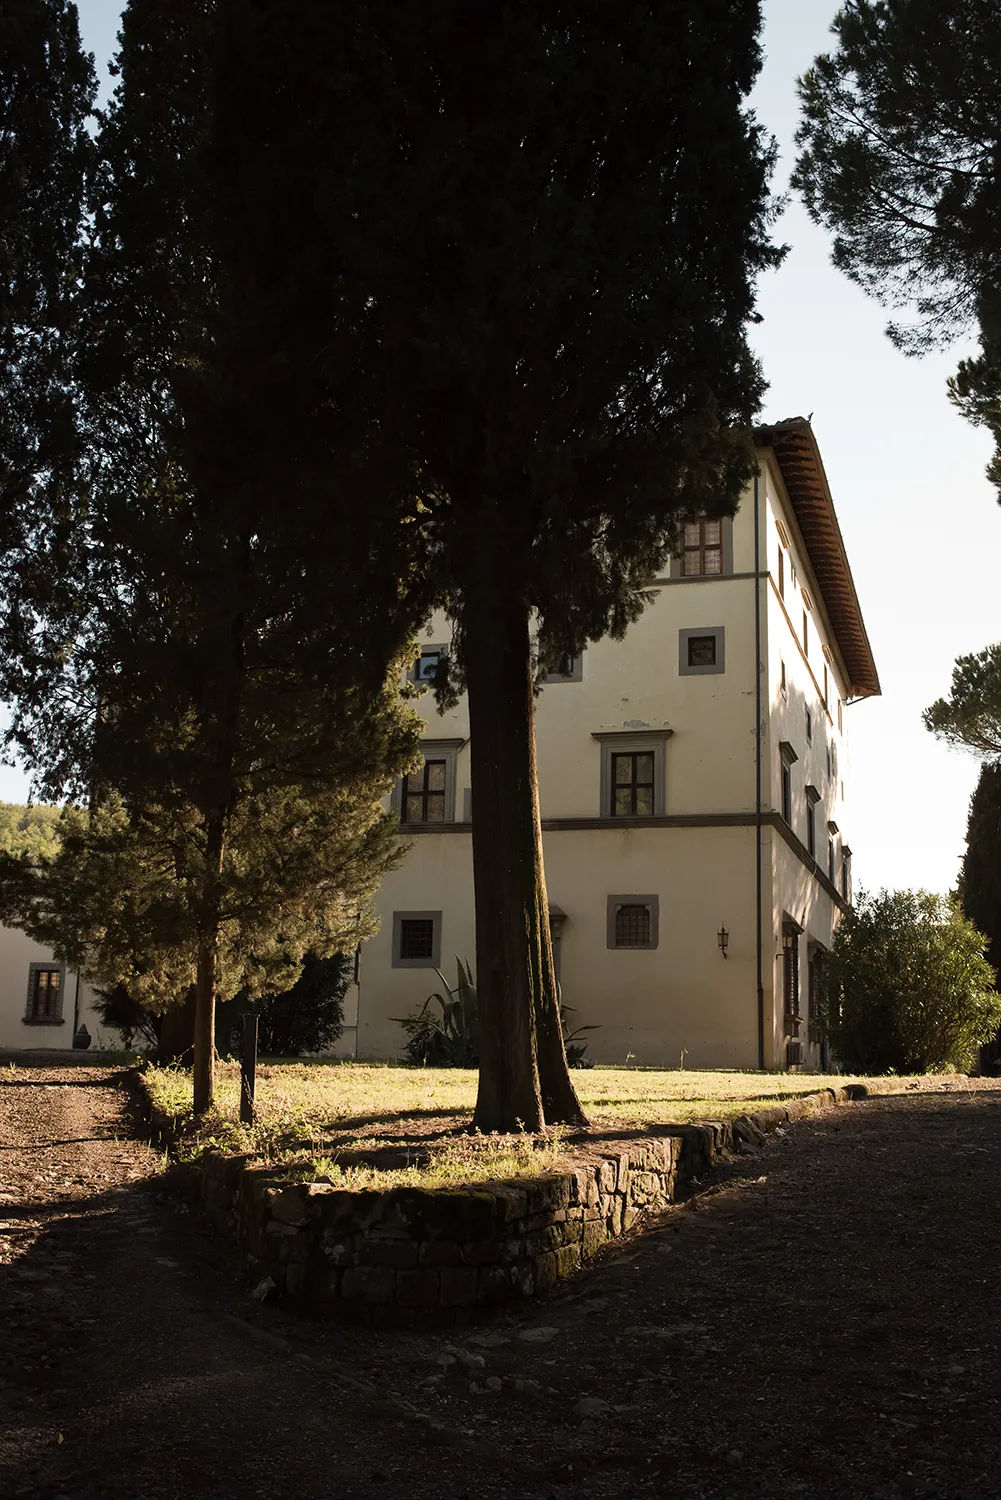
(907, 987)
(443, 1032)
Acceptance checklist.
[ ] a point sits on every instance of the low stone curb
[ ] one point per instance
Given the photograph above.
(410, 1256)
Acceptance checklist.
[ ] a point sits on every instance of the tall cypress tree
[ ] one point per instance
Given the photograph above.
(183, 651)
(541, 223)
(980, 876)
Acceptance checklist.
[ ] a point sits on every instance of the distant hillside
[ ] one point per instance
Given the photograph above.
(29, 830)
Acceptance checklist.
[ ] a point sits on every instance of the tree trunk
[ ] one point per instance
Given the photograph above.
(206, 966)
(204, 1069)
(514, 962)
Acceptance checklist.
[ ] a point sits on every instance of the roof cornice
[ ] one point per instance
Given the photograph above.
(802, 469)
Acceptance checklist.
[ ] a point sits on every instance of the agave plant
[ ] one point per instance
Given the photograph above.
(448, 1037)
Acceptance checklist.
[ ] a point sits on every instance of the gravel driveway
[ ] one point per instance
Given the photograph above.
(822, 1320)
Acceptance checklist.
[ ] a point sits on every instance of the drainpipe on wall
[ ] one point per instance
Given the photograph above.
(757, 773)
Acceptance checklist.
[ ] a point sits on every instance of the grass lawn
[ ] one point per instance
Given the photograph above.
(382, 1124)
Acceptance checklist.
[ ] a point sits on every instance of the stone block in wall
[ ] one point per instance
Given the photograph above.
(614, 1220)
(288, 1204)
(595, 1235)
(493, 1284)
(484, 1252)
(419, 1288)
(468, 1215)
(622, 1175)
(646, 1188)
(438, 1253)
(511, 1203)
(608, 1174)
(544, 1271)
(372, 1285)
(567, 1260)
(523, 1279)
(629, 1217)
(373, 1251)
(550, 1192)
(339, 1251)
(348, 1213)
(543, 1220)
(584, 1192)
(458, 1286)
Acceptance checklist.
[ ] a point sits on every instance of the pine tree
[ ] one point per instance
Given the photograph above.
(541, 224)
(901, 158)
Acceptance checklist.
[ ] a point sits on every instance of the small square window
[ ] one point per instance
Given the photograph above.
(425, 668)
(633, 921)
(416, 939)
(702, 651)
(569, 668)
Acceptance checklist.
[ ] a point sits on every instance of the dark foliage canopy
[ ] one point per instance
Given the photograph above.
(543, 224)
(901, 158)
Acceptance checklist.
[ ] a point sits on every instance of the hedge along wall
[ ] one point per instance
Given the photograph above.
(409, 1255)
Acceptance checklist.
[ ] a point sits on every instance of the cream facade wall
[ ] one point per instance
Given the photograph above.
(17, 955)
(696, 858)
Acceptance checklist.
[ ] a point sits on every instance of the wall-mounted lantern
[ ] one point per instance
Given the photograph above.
(722, 937)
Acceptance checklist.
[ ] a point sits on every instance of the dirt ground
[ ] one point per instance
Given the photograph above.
(822, 1319)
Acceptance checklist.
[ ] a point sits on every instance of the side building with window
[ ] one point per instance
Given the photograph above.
(43, 1003)
(693, 791)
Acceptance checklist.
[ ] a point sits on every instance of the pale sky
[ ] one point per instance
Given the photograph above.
(920, 522)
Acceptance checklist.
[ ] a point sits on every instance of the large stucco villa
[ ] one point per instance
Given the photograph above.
(693, 781)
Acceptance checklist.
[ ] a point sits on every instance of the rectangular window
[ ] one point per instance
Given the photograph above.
(788, 760)
(846, 874)
(829, 763)
(701, 652)
(782, 574)
(633, 921)
(783, 685)
(812, 798)
(416, 939)
(830, 859)
(633, 785)
(806, 632)
(825, 687)
(841, 728)
(45, 997)
(809, 727)
(702, 553)
(424, 794)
